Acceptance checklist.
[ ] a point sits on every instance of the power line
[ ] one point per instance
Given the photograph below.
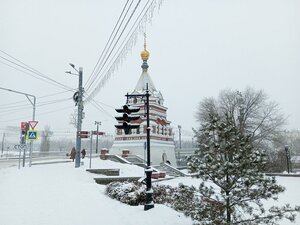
(50, 95)
(107, 43)
(120, 35)
(35, 76)
(18, 105)
(104, 104)
(17, 109)
(100, 108)
(32, 70)
(136, 27)
(38, 104)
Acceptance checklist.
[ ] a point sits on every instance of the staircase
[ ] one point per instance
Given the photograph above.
(137, 160)
(170, 170)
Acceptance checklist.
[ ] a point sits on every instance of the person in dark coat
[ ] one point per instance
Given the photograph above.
(73, 154)
(83, 153)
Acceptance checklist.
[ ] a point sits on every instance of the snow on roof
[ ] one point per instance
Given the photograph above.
(141, 84)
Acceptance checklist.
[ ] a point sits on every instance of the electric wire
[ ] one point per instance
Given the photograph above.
(100, 108)
(17, 108)
(111, 51)
(108, 49)
(130, 35)
(34, 71)
(38, 104)
(107, 43)
(104, 104)
(39, 114)
(35, 76)
(22, 101)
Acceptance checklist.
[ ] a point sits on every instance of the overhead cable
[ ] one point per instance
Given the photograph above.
(107, 43)
(120, 35)
(142, 19)
(32, 70)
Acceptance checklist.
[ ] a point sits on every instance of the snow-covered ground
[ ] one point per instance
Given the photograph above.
(59, 194)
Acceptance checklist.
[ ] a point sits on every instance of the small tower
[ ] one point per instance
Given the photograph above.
(161, 135)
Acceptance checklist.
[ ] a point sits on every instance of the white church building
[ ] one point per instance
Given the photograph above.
(162, 146)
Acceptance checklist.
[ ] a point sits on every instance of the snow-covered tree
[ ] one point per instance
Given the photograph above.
(233, 184)
(45, 142)
(251, 111)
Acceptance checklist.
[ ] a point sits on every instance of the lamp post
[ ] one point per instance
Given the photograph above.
(79, 114)
(179, 128)
(286, 148)
(148, 171)
(179, 133)
(97, 123)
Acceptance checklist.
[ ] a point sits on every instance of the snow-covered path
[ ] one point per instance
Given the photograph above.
(62, 195)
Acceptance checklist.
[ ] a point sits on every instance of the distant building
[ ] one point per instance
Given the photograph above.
(161, 136)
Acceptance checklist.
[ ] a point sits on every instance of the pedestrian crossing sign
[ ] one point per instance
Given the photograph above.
(32, 135)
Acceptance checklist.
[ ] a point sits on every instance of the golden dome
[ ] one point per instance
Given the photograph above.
(144, 55)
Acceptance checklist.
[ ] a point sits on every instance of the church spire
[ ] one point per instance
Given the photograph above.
(145, 55)
(145, 78)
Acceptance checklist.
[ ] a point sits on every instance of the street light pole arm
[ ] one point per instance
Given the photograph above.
(26, 94)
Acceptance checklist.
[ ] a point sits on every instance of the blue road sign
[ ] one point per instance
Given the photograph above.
(32, 135)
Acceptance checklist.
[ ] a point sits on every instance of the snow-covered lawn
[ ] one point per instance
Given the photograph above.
(59, 194)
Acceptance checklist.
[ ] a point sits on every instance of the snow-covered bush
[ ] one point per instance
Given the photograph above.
(182, 198)
(131, 193)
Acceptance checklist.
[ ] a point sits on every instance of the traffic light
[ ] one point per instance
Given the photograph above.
(126, 118)
(24, 127)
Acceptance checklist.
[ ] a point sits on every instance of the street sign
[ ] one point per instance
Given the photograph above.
(32, 124)
(99, 133)
(84, 134)
(32, 135)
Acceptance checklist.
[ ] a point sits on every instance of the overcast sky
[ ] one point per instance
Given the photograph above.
(197, 48)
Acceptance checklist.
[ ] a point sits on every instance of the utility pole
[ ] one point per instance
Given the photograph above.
(286, 148)
(179, 133)
(3, 137)
(79, 117)
(2, 147)
(91, 148)
(179, 127)
(97, 123)
(78, 99)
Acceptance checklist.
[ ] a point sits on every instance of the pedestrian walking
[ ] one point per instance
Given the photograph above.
(73, 154)
(83, 153)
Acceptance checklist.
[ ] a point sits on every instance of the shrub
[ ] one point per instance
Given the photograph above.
(182, 198)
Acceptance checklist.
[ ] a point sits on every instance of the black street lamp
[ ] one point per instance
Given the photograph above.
(148, 171)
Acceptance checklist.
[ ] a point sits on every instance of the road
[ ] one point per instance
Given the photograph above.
(14, 161)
